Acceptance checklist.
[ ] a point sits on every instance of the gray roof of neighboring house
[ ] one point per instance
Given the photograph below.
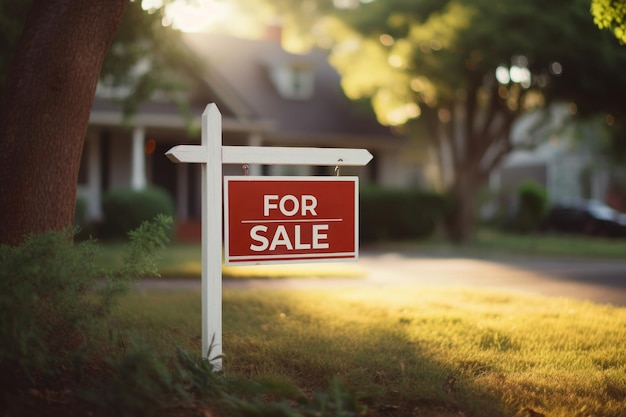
(245, 65)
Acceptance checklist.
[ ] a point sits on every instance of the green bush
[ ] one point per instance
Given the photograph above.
(532, 205)
(389, 214)
(146, 384)
(141, 384)
(53, 300)
(125, 209)
(43, 310)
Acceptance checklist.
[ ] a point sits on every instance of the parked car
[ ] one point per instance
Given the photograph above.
(590, 217)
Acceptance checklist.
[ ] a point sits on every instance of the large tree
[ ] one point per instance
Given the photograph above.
(45, 107)
(468, 70)
(54, 53)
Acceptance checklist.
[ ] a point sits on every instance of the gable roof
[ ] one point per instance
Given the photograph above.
(246, 66)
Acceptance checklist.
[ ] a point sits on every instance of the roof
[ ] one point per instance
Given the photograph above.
(246, 65)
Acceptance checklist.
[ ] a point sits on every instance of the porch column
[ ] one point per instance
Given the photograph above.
(138, 162)
(255, 139)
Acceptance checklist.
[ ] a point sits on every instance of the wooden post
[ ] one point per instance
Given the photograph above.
(209, 154)
(212, 236)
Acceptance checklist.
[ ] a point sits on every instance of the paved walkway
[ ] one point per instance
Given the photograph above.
(593, 280)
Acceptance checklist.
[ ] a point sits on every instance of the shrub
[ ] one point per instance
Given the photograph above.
(533, 202)
(387, 214)
(42, 303)
(53, 298)
(142, 384)
(125, 209)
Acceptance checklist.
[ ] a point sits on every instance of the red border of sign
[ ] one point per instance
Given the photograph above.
(259, 259)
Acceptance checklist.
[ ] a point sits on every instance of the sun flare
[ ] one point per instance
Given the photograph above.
(200, 16)
(193, 16)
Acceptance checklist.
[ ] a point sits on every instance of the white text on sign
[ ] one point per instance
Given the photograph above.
(307, 202)
(281, 238)
(289, 205)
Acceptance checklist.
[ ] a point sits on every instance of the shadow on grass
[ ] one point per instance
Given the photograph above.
(291, 340)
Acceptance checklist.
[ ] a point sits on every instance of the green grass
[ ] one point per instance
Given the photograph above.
(403, 351)
(493, 243)
(397, 347)
(552, 245)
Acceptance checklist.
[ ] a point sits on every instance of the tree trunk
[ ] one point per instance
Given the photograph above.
(44, 112)
(461, 221)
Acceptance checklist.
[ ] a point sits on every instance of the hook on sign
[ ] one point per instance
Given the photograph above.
(246, 169)
(338, 167)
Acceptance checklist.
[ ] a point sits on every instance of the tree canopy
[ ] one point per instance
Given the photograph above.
(611, 15)
(551, 51)
(468, 69)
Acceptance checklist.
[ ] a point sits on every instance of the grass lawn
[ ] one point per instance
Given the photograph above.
(494, 242)
(402, 351)
(414, 351)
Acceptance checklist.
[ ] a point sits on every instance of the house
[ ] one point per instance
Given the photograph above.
(267, 97)
(557, 153)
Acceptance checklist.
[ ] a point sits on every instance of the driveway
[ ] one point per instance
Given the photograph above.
(600, 281)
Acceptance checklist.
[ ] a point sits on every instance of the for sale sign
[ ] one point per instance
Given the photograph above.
(290, 219)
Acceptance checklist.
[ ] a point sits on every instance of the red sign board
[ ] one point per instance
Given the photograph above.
(290, 219)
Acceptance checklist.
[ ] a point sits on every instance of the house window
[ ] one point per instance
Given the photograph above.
(300, 82)
(294, 80)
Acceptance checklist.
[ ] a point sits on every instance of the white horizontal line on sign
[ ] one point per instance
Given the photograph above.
(291, 256)
(292, 221)
(285, 256)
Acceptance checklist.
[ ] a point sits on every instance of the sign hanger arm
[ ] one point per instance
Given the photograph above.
(273, 155)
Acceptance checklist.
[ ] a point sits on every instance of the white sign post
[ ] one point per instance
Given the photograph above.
(212, 155)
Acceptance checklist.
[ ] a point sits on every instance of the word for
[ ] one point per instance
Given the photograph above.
(302, 205)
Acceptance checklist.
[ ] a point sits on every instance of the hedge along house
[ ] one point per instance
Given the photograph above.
(267, 97)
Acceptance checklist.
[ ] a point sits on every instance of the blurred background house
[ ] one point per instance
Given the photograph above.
(565, 157)
(267, 97)
(556, 153)
(270, 97)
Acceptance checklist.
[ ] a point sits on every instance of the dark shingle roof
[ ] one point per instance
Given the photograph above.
(245, 65)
